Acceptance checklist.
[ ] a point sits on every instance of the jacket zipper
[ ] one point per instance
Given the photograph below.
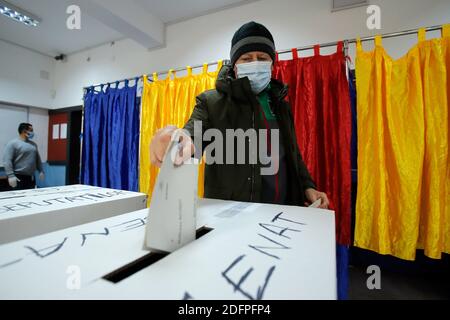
(253, 166)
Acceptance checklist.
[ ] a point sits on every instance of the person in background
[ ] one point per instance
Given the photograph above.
(21, 159)
(246, 97)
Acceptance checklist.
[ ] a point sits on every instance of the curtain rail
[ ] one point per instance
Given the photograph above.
(309, 47)
(158, 73)
(371, 38)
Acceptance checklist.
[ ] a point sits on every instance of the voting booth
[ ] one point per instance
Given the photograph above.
(242, 251)
(27, 213)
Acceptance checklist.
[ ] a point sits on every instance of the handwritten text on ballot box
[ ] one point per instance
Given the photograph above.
(59, 264)
(253, 252)
(42, 266)
(28, 213)
(265, 252)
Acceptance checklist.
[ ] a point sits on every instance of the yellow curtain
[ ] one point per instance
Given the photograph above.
(403, 172)
(169, 102)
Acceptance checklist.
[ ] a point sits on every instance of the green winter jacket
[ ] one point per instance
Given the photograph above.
(232, 105)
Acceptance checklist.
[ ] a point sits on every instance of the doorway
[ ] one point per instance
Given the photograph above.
(73, 147)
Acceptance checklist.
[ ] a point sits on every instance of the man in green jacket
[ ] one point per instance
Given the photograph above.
(246, 102)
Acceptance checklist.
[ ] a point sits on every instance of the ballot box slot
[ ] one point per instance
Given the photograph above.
(145, 261)
(202, 231)
(135, 266)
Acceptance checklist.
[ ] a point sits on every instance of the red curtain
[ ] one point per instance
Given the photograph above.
(320, 100)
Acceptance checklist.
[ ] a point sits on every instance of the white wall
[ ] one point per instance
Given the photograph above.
(20, 76)
(12, 116)
(39, 119)
(293, 23)
(21, 83)
(10, 119)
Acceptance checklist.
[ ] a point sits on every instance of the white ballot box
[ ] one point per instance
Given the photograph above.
(251, 251)
(47, 266)
(28, 213)
(58, 264)
(267, 252)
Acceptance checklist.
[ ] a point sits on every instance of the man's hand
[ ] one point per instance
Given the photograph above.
(159, 144)
(312, 195)
(41, 176)
(161, 141)
(12, 181)
(185, 147)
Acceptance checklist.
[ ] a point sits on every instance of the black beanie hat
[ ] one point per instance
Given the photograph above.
(251, 36)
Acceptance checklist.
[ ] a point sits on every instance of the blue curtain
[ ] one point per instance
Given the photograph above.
(111, 137)
(342, 252)
(342, 271)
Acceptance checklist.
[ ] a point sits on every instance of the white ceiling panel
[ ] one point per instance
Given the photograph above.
(52, 37)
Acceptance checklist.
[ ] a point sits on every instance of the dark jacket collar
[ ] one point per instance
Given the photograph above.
(240, 89)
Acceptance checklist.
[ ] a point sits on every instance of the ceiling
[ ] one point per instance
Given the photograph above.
(172, 11)
(102, 21)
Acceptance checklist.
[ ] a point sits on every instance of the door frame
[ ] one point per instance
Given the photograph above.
(69, 111)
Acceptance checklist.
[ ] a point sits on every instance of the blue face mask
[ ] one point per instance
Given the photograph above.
(258, 72)
(30, 135)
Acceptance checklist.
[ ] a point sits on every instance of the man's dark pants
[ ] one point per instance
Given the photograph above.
(26, 182)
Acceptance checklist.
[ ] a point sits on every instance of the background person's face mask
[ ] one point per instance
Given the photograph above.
(258, 72)
(30, 135)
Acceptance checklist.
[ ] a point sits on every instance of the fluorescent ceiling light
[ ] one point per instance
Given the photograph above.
(18, 14)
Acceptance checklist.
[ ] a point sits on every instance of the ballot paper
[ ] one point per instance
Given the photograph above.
(316, 204)
(172, 213)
